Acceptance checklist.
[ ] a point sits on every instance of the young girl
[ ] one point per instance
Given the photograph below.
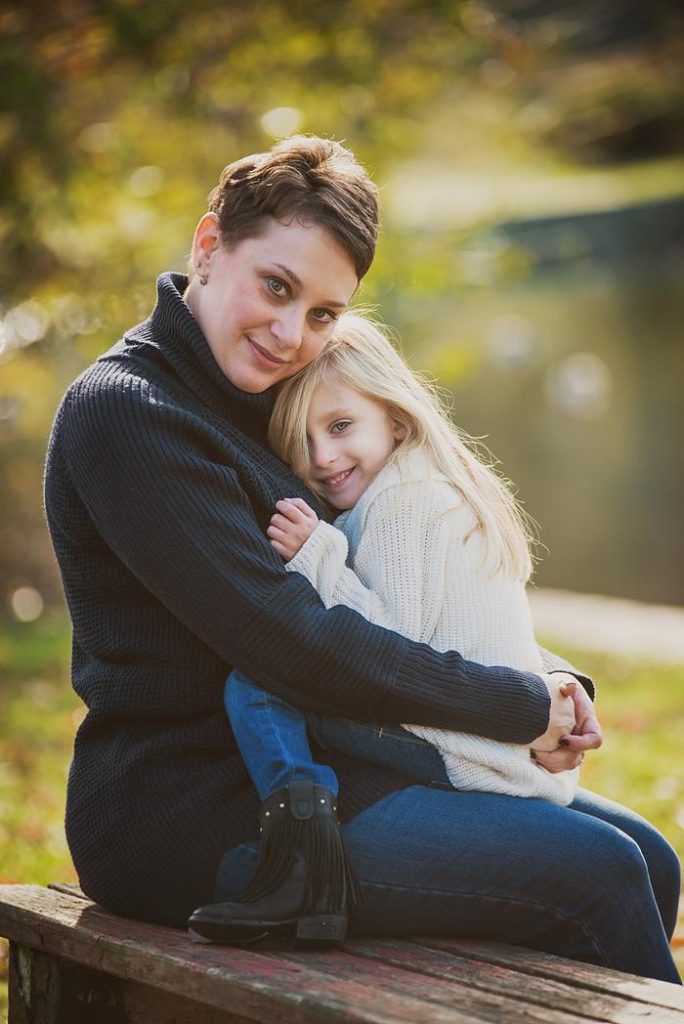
(438, 551)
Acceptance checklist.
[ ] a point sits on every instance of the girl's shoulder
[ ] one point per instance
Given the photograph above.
(409, 480)
(415, 471)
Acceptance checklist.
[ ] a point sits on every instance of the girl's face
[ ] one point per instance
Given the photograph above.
(351, 437)
(271, 301)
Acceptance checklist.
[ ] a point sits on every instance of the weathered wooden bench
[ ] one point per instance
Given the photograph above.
(71, 962)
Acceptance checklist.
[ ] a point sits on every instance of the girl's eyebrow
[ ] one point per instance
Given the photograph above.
(297, 282)
(329, 415)
(332, 414)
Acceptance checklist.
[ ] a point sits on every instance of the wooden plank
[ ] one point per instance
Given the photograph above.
(383, 981)
(487, 1004)
(521, 965)
(262, 988)
(20, 985)
(544, 965)
(71, 889)
(539, 991)
(47, 990)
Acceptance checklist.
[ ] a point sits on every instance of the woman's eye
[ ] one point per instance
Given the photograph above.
(277, 286)
(323, 316)
(340, 426)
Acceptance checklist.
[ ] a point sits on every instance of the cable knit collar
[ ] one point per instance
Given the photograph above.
(173, 332)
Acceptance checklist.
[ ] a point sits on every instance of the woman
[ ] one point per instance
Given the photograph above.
(159, 489)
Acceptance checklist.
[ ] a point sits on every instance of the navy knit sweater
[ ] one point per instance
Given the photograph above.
(159, 487)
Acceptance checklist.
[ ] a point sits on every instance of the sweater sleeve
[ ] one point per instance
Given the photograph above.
(554, 663)
(398, 573)
(322, 561)
(163, 500)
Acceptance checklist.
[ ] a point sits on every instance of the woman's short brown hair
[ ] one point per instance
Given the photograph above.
(315, 180)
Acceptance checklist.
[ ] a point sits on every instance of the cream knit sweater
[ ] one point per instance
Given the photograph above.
(412, 571)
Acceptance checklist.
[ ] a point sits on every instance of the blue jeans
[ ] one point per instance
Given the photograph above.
(593, 881)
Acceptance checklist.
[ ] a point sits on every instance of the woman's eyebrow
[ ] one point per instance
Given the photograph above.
(297, 282)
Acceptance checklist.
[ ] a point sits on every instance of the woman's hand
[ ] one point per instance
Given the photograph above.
(586, 733)
(291, 526)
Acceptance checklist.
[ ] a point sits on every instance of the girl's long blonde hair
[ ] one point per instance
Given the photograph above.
(360, 356)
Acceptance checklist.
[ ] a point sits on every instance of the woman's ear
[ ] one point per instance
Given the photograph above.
(206, 241)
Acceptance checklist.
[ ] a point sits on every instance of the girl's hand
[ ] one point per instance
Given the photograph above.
(291, 526)
(561, 688)
(586, 733)
(561, 760)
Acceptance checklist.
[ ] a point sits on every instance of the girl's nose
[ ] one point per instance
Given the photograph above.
(322, 454)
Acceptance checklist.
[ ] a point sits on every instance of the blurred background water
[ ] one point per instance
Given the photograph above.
(574, 373)
(530, 160)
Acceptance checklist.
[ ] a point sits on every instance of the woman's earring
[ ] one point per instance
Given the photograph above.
(203, 276)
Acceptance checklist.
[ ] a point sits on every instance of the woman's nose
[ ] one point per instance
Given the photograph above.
(288, 328)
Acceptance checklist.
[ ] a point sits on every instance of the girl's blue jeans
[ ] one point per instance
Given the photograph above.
(593, 881)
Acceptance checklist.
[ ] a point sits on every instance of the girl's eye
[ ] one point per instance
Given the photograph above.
(278, 287)
(323, 316)
(340, 426)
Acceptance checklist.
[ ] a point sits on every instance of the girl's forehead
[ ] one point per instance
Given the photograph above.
(333, 398)
(330, 392)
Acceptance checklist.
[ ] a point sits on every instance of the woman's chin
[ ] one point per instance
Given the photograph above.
(252, 380)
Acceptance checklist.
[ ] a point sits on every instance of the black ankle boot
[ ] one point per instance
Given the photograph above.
(303, 882)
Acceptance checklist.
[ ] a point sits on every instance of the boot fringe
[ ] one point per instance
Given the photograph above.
(277, 852)
(330, 881)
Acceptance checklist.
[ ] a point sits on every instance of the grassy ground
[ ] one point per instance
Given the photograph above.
(640, 764)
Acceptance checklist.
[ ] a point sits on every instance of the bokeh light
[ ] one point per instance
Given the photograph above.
(512, 341)
(27, 604)
(579, 386)
(281, 121)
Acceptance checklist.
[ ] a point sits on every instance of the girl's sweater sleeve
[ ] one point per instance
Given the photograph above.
(399, 562)
(165, 503)
(403, 589)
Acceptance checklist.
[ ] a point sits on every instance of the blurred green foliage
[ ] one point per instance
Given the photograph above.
(95, 95)
(116, 117)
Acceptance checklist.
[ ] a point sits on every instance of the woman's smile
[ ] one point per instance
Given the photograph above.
(262, 355)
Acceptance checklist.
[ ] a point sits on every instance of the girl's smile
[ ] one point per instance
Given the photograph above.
(351, 437)
(337, 481)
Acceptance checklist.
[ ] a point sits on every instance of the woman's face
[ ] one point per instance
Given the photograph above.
(270, 302)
